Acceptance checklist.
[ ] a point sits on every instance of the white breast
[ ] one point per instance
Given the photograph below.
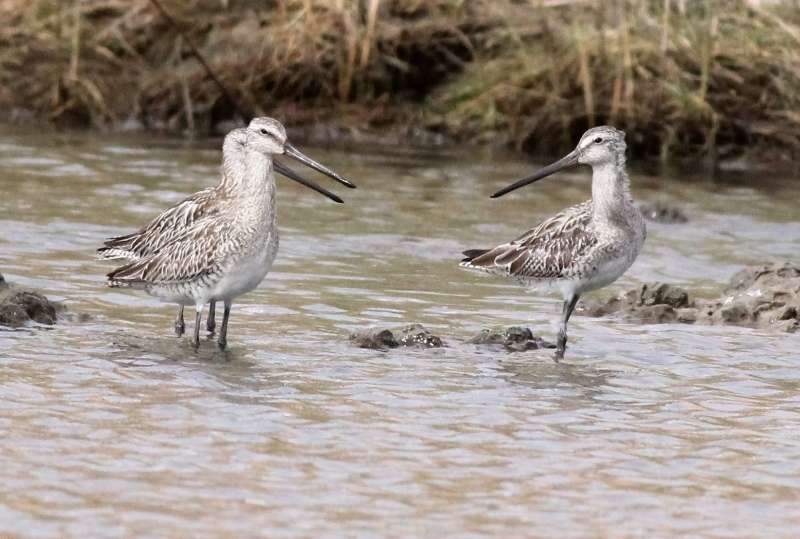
(247, 272)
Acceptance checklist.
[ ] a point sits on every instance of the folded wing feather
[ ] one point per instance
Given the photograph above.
(548, 251)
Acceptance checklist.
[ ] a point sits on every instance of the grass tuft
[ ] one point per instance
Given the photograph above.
(703, 78)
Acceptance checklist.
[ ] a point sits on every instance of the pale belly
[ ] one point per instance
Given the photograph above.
(604, 276)
(606, 273)
(245, 275)
(606, 270)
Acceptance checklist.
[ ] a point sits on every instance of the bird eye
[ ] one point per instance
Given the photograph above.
(598, 140)
(264, 132)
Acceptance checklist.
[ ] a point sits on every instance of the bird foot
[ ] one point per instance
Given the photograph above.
(180, 328)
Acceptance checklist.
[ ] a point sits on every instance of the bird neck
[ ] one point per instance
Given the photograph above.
(610, 189)
(245, 172)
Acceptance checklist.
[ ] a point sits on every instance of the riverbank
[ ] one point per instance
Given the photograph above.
(686, 81)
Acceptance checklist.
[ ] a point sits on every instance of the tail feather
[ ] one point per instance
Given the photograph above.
(129, 272)
(472, 254)
(128, 276)
(118, 247)
(114, 253)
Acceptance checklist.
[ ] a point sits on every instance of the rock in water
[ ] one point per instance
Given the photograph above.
(12, 315)
(649, 303)
(660, 211)
(414, 335)
(374, 339)
(782, 278)
(515, 339)
(664, 294)
(417, 335)
(18, 306)
(765, 297)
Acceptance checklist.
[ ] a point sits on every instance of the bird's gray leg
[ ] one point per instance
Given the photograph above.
(197, 319)
(211, 324)
(561, 346)
(180, 327)
(223, 333)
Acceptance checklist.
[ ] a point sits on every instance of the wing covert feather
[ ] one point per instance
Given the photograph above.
(162, 230)
(187, 258)
(548, 251)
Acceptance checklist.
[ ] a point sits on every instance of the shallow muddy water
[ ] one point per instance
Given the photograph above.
(112, 426)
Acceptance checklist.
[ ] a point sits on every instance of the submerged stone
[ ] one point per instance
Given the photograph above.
(12, 315)
(18, 306)
(514, 338)
(664, 294)
(660, 211)
(766, 297)
(652, 303)
(417, 335)
(413, 335)
(782, 278)
(374, 339)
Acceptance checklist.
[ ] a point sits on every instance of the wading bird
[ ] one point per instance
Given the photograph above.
(220, 242)
(582, 248)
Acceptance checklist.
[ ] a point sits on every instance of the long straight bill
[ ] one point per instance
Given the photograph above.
(292, 175)
(568, 161)
(291, 151)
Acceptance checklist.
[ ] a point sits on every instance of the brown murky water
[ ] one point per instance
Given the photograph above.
(113, 427)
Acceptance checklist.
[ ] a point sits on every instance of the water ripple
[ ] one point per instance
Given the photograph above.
(114, 427)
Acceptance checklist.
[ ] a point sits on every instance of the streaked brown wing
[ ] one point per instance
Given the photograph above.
(548, 251)
(162, 230)
(187, 258)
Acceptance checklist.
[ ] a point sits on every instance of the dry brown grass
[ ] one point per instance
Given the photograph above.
(97, 61)
(703, 81)
(698, 78)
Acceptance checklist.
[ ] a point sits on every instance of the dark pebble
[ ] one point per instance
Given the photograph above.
(515, 339)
